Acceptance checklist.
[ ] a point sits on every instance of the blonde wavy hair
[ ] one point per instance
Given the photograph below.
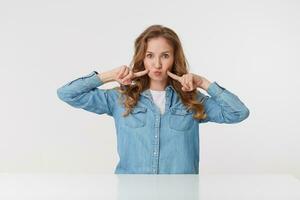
(180, 67)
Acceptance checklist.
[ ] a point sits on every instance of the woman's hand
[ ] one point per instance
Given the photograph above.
(191, 81)
(124, 75)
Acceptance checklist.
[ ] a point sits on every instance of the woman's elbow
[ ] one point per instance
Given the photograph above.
(236, 116)
(62, 94)
(244, 114)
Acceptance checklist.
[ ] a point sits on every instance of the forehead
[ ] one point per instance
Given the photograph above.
(159, 44)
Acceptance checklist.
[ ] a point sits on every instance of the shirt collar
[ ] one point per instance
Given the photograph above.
(168, 90)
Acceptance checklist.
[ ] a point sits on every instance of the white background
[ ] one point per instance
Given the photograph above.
(249, 47)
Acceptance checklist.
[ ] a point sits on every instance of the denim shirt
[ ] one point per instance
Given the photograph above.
(149, 142)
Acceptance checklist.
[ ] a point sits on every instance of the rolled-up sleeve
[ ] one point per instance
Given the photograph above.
(222, 106)
(84, 93)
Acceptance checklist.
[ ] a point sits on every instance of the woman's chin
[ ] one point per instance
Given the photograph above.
(155, 78)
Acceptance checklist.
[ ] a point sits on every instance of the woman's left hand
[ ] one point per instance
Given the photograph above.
(190, 81)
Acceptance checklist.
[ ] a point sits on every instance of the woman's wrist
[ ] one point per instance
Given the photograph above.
(107, 76)
(205, 84)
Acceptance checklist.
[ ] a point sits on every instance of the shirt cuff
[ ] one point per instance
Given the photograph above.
(214, 89)
(93, 79)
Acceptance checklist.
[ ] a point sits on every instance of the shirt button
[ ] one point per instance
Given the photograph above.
(154, 152)
(155, 136)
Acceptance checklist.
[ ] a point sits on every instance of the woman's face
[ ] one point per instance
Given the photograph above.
(159, 58)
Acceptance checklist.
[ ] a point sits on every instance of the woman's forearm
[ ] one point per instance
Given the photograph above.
(107, 76)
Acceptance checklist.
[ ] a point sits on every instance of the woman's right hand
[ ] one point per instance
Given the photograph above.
(124, 75)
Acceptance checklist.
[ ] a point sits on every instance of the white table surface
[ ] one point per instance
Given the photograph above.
(144, 187)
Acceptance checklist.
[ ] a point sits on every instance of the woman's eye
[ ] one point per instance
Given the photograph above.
(166, 55)
(149, 55)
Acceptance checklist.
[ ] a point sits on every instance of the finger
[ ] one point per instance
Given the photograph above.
(186, 86)
(184, 89)
(141, 73)
(121, 71)
(190, 83)
(173, 76)
(185, 82)
(128, 76)
(127, 82)
(125, 73)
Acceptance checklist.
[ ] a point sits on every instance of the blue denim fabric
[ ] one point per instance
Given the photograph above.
(148, 142)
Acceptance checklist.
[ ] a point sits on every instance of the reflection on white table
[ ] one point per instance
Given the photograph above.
(146, 187)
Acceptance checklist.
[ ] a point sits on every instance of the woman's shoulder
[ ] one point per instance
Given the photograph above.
(115, 91)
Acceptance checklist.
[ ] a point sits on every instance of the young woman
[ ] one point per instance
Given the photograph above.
(157, 108)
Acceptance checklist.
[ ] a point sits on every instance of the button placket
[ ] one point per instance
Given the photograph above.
(156, 143)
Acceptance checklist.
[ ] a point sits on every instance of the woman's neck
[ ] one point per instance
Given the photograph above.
(158, 85)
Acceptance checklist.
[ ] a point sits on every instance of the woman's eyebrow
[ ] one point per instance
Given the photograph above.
(161, 52)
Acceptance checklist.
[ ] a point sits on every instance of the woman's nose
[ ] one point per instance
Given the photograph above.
(157, 64)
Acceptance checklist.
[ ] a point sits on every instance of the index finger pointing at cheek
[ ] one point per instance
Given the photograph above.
(141, 73)
(173, 76)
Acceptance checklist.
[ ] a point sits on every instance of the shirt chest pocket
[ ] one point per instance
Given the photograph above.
(137, 117)
(180, 119)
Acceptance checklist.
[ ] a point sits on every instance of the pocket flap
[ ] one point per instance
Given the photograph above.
(138, 109)
(180, 111)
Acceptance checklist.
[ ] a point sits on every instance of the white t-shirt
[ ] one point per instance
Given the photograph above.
(159, 98)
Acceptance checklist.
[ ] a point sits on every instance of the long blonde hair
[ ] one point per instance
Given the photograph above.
(132, 92)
